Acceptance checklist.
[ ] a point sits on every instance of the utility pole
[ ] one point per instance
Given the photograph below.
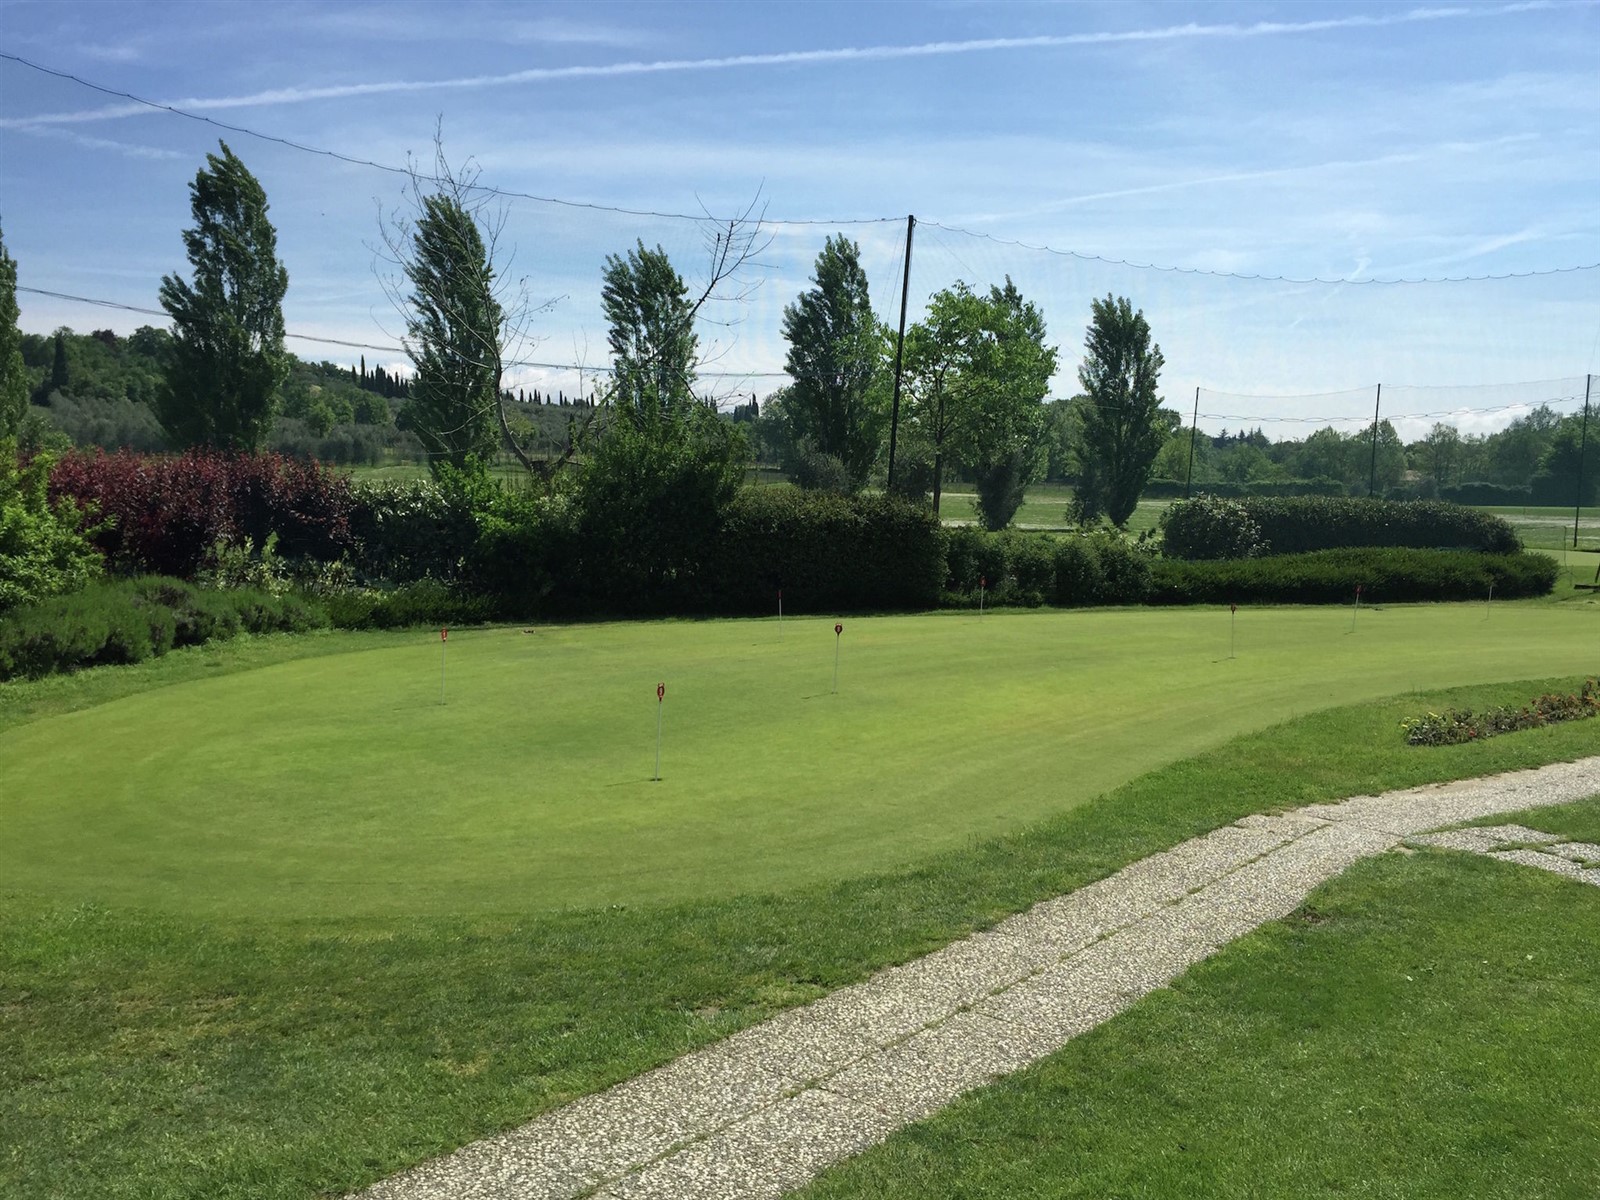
(1583, 452)
(1372, 484)
(1194, 424)
(900, 350)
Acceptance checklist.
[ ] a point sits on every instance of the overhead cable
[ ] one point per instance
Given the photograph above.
(487, 189)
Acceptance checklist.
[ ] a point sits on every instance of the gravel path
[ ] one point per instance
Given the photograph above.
(765, 1110)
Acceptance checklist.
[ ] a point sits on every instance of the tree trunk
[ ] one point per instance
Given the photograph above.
(938, 477)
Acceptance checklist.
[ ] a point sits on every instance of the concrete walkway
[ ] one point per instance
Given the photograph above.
(764, 1111)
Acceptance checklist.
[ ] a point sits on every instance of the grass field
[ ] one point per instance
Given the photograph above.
(1044, 508)
(1402, 1035)
(274, 923)
(342, 782)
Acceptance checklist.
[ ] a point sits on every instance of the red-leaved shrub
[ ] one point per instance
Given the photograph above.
(163, 513)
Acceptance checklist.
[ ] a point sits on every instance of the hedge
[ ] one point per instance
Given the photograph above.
(129, 620)
(162, 514)
(1299, 525)
(1025, 569)
(427, 602)
(828, 552)
(1384, 574)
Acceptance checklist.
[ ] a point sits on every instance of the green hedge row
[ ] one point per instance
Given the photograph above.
(1299, 525)
(828, 552)
(129, 620)
(1070, 571)
(1384, 574)
(428, 602)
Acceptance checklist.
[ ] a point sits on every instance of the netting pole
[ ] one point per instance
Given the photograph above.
(1372, 484)
(1583, 452)
(900, 352)
(1194, 425)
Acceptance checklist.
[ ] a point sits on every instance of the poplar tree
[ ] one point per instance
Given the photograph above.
(1122, 428)
(13, 371)
(227, 359)
(838, 404)
(453, 334)
(650, 328)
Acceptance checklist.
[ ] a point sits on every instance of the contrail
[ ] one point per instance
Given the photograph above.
(846, 54)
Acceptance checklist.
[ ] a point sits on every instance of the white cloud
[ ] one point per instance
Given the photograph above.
(854, 54)
(129, 149)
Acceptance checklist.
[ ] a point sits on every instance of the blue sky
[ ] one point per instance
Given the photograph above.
(1334, 141)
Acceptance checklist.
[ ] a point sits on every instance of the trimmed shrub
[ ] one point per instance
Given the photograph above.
(163, 514)
(130, 620)
(427, 602)
(1015, 568)
(1210, 527)
(1299, 525)
(828, 552)
(1030, 569)
(1385, 575)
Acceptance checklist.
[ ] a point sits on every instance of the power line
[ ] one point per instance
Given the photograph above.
(1367, 420)
(1263, 278)
(389, 349)
(591, 368)
(173, 110)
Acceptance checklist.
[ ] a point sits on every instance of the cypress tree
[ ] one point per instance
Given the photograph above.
(227, 359)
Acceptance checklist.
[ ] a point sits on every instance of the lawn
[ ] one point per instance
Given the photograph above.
(1422, 1028)
(341, 783)
(191, 1014)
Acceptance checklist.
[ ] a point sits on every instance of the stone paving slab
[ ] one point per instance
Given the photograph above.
(763, 1111)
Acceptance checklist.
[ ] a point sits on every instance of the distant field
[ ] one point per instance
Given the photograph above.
(1045, 508)
(1551, 528)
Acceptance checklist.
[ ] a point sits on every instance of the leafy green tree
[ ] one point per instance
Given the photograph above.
(1515, 452)
(1122, 424)
(1390, 459)
(1248, 464)
(453, 334)
(1008, 374)
(1572, 456)
(651, 333)
(43, 552)
(838, 402)
(938, 394)
(648, 506)
(227, 359)
(1326, 454)
(14, 376)
(1441, 452)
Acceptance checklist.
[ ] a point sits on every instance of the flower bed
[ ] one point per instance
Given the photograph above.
(1464, 725)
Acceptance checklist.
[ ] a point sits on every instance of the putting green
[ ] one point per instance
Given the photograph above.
(341, 786)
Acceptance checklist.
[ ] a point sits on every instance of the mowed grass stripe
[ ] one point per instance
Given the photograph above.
(339, 785)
